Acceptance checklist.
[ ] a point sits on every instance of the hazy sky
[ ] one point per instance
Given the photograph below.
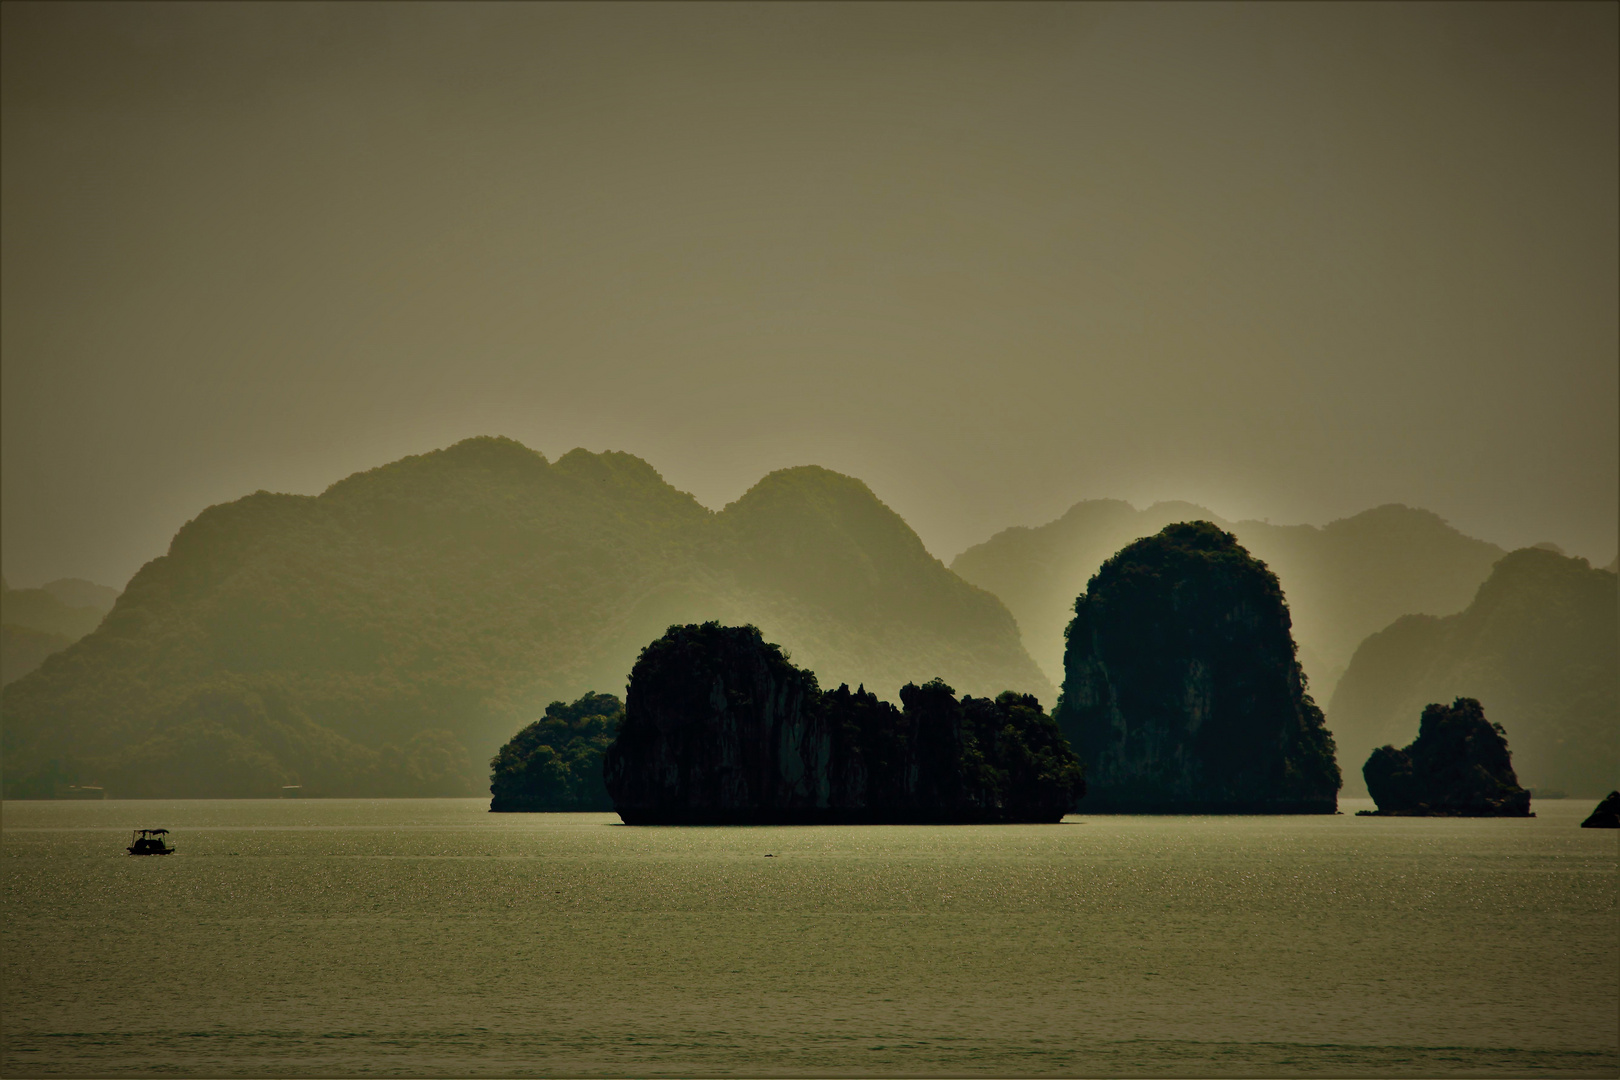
(1289, 261)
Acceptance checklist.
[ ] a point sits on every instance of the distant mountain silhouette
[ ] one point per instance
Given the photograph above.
(1343, 580)
(34, 623)
(22, 649)
(386, 636)
(71, 608)
(1536, 647)
(79, 593)
(827, 570)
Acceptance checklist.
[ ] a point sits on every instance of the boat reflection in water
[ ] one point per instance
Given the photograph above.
(149, 842)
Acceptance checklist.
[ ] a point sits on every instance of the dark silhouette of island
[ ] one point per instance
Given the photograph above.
(1182, 692)
(1344, 580)
(1607, 814)
(1459, 766)
(384, 637)
(555, 764)
(721, 728)
(1537, 646)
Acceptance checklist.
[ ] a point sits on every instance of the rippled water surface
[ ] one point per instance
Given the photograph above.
(430, 937)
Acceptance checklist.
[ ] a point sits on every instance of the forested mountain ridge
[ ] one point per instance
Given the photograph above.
(386, 636)
(22, 649)
(1536, 647)
(1343, 580)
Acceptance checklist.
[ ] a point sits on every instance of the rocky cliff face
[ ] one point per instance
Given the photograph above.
(716, 722)
(1182, 692)
(720, 728)
(1459, 766)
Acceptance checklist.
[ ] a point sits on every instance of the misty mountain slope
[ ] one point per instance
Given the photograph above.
(34, 623)
(1343, 580)
(1038, 572)
(827, 567)
(1537, 647)
(386, 636)
(1353, 576)
(57, 608)
(79, 593)
(22, 649)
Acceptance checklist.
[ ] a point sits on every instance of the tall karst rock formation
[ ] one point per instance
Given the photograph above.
(1182, 692)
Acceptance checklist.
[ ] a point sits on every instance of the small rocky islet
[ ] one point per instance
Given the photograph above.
(1458, 766)
(1607, 814)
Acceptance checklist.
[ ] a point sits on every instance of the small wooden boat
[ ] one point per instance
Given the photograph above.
(150, 842)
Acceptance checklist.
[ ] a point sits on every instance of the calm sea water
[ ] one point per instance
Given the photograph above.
(429, 937)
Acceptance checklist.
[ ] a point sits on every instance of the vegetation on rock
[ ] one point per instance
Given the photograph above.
(1182, 691)
(720, 727)
(1459, 766)
(556, 762)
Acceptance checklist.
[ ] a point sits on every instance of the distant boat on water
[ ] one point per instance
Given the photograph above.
(149, 842)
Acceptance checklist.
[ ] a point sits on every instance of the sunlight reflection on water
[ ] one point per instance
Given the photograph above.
(431, 937)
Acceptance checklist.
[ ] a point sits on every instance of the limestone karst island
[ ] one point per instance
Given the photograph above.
(1182, 688)
(720, 728)
(1458, 766)
(1182, 694)
(387, 637)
